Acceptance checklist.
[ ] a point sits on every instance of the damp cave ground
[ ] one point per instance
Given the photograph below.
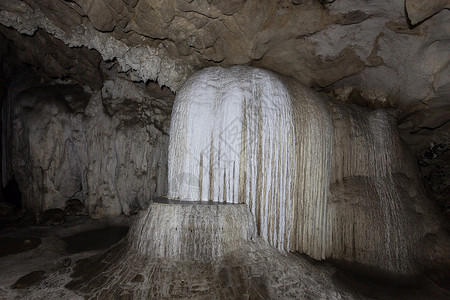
(42, 261)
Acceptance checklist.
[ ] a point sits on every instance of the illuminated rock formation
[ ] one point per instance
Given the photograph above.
(236, 137)
(329, 182)
(257, 160)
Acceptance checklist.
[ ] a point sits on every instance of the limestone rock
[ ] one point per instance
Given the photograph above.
(327, 44)
(200, 251)
(188, 231)
(335, 46)
(421, 10)
(81, 64)
(113, 162)
(427, 133)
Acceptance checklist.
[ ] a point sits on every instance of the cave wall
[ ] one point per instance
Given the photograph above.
(376, 54)
(108, 149)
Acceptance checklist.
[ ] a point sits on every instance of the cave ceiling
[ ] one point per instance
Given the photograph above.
(388, 53)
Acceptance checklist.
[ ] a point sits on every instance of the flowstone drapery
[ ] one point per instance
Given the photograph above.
(247, 135)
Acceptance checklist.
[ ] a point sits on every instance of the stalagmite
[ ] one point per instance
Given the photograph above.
(237, 136)
(187, 231)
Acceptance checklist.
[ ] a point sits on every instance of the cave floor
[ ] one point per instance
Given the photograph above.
(36, 261)
(40, 262)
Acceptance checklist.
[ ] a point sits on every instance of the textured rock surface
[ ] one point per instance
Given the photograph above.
(244, 135)
(256, 274)
(359, 44)
(377, 203)
(388, 53)
(192, 232)
(58, 62)
(427, 132)
(108, 149)
(23, 250)
(418, 11)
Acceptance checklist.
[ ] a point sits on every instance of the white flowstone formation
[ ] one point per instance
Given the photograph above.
(233, 140)
(191, 232)
(181, 250)
(328, 180)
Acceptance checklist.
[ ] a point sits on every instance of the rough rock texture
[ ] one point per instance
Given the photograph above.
(418, 10)
(188, 231)
(383, 53)
(80, 65)
(50, 250)
(427, 132)
(245, 135)
(361, 44)
(108, 149)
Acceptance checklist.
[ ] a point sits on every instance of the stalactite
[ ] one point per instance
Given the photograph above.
(314, 136)
(320, 178)
(241, 121)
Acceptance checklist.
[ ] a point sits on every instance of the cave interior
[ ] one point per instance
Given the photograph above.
(238, 149)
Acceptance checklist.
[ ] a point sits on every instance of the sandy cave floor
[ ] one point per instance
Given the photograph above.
(37, 262)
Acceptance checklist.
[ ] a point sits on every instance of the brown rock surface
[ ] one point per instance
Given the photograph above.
(321, 43)
(358, 51)
(418, 10)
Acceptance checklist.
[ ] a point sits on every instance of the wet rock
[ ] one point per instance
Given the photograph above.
(74, 207)
(125, 297)
(13, 245)
(254, 271)
(53, 216)
(28, 280)
(95, 239)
